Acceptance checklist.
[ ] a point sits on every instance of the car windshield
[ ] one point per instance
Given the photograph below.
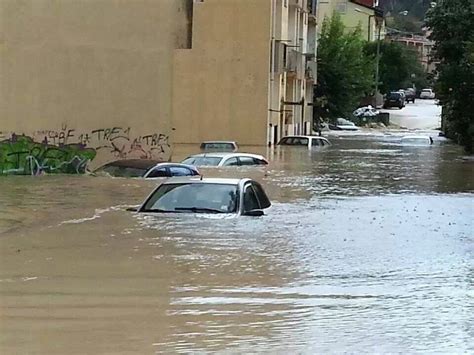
(202, 161)
(193, 197)
(394, 95)
(427, 91)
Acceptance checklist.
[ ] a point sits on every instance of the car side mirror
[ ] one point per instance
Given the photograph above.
(132, 209)
(254, 213)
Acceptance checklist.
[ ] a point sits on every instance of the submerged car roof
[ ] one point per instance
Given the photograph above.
(198, 180)
(225, 155)
(135, 163)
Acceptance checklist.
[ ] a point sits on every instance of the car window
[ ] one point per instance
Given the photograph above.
(246, 161)
(261, 195)
(259, 161)
(285, 141)
(157, 172)
(300, 141)
(231, 162)
(316, 142)
(250, 199)
(193, 197)
(180, 171)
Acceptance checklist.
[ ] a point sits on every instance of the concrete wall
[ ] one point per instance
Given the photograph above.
(88, 80)
(220, 88)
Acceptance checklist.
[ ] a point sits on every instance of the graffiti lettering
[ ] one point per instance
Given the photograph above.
(22, 155)
(66, 151)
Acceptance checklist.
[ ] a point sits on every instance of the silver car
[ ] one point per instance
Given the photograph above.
(207, 195)
(225, 159)
(305, 141)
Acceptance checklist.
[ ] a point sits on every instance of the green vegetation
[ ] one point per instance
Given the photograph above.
(452, 25)
(398, 66)
(345, 73)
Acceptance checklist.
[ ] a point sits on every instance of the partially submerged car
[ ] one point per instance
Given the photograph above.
(207, 195)
(305, 141)
(416, 140)
(147, 169)
(221, 146)
(225, 159)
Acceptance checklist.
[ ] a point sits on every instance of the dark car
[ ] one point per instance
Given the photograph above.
(394, 99)
(147, 169)
(207, 195)
(410, 95)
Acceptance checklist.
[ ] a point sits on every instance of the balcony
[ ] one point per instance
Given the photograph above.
(294, 63)
(311, 70)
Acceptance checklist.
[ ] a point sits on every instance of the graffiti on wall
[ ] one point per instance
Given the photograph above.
(69, 151)
(22, 155)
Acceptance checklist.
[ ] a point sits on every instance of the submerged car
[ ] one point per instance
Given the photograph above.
(147, 169)
(225, 159)
(305, 141)
(221, 146)
(416, 140)
(207, 195)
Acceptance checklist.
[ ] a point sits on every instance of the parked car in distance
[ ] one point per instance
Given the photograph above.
(427, 94)
(221, 146)
(394, 99)
(207, 195)
(410, 95)
(147, 169)
(225, 159)
(416, 140)
(346, 125)
(305, 141)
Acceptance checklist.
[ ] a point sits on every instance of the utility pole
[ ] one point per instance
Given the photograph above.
(377, 61)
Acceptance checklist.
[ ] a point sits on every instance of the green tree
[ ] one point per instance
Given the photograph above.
(452, 26)
(399, 66)
(345, 74)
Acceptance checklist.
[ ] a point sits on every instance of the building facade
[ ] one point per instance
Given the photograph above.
(420, 44)
(249, 74)
(83, 83)
(355, 13)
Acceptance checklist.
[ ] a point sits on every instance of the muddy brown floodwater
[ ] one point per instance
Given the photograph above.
(368, 247)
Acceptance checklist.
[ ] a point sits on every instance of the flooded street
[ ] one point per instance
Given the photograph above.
(368, 247)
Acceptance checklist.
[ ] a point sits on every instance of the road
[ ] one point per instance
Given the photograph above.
(423, 114)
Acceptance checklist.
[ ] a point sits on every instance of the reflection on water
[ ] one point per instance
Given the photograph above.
(368, 247)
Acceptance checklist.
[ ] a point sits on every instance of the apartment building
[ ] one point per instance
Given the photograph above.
(420, 44)
(355, 13)
(250, 72)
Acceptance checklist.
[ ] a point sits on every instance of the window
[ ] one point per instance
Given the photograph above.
(259, 161)
(231, 162)
(300, 141)
(246, 161)
(180, 171)
(202, 161)
(316, 142)
(158, 172)
(261, 195)
(250, 199)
